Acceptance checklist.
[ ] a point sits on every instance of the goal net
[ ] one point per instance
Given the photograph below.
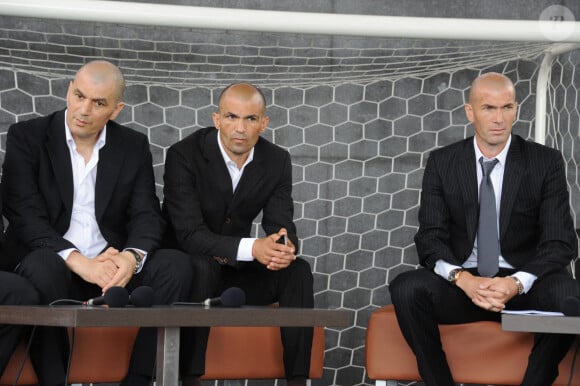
(190, 58)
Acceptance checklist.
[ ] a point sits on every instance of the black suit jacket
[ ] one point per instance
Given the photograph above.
(536, 229)
(204, 214)
(37, 188)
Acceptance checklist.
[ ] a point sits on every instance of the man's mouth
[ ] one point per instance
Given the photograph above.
(80, 122)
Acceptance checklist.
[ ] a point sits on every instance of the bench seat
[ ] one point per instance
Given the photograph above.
(477, 353)
(102, 355)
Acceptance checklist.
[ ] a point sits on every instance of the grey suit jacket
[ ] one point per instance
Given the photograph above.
(536, 229)
(37, 189)
(205, 216)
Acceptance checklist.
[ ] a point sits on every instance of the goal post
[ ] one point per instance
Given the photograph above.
(292, 22)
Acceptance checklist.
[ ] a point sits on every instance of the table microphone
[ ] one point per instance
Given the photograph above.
(571, 306)
(231, 297)
(115, 297)
(142, 296)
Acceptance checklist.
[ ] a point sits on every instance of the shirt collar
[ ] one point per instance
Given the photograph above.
(501, 157)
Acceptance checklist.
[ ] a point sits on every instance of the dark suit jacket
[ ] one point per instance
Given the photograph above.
(37, 188)
(536, 230)
(204, 215)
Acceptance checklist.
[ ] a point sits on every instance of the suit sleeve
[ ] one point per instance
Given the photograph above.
(279, 210)
(557, 242)
(24, 205)
(433, 237)
(145, 223)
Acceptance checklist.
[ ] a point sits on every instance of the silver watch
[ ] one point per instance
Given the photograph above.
(454, 275)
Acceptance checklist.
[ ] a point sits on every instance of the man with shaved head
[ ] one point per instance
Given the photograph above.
(217, 181)
(79, 195)
(495, 233)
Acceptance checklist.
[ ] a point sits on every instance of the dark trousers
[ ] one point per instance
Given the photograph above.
(14, 290)
(423, 300)
(167, 271)
(290, 287)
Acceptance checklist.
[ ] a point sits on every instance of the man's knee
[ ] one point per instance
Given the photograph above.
(47, 272)
(16, 290)
(408, 285)
(553, 289)
(170, 263)
(302, 271)
(43, 265)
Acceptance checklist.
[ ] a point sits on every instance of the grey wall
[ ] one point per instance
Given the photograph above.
(358, 148)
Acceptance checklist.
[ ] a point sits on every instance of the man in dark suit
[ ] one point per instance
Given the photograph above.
(217, 181)
(83, 216)
(14, 291)
(535, 239)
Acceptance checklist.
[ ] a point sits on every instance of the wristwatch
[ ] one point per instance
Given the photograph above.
(454, 275)
(138, 259)
(519, 285)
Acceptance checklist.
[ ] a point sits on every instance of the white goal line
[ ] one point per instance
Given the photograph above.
(295, 22)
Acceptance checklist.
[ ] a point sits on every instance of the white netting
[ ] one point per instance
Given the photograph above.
(183, 57)
(563, 128)
(564, 117)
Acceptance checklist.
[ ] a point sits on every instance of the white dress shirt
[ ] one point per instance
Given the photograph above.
(84, 230)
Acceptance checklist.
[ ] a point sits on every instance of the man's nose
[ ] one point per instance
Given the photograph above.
(240, 125)
(85, 107)
(499, 115)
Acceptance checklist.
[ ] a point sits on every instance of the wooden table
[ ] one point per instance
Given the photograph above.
(168, 320)
(541, 323)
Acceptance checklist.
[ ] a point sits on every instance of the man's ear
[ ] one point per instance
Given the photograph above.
(265, 122)
(469, 112)
(117, 110)
(215, 116)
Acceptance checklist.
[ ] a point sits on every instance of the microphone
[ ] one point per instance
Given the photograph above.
(115, 297)
(571, 306)
(231, 297)
(142, 296)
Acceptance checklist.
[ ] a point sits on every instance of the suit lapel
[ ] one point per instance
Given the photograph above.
(110, 164)
(469, 190)
(512, 175)
(251, 178)
(59, 155)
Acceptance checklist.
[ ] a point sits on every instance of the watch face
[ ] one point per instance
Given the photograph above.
(453, 275)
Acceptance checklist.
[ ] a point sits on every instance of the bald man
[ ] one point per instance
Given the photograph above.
(533, 235)
(217, 181)
(79, 196)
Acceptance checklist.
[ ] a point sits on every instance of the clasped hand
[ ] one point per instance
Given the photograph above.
(273, 255)
(491, 294)
(110, 268)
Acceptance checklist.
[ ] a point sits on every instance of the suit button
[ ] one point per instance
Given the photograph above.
(228, 220)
